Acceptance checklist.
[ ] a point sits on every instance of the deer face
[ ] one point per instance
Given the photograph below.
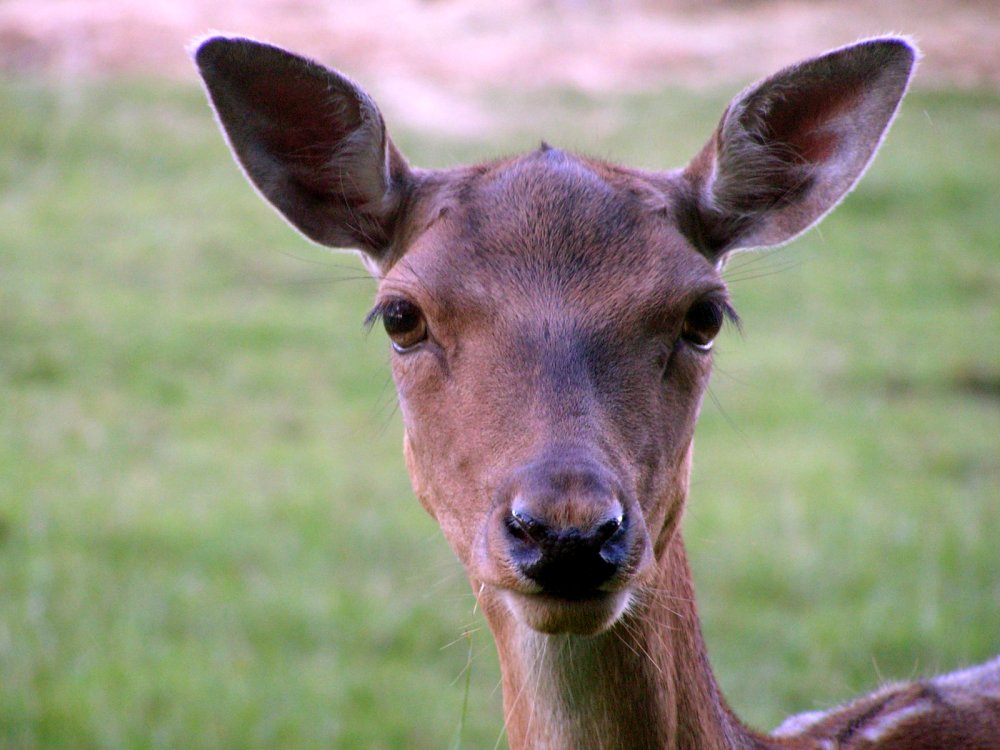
(552, 333)
(552, 317)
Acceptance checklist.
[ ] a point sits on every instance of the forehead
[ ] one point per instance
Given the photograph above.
(551, 228)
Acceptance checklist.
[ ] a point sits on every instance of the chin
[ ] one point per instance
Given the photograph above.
(587, 616)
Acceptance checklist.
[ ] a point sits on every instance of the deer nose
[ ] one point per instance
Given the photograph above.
(567, 529)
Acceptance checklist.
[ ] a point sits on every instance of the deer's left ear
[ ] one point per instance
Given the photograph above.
(791, 146)
(310, 140)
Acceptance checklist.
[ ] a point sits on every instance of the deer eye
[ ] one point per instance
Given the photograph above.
(404, 323)
(702, 324)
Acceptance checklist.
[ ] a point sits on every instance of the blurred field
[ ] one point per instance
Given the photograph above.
(207, 538)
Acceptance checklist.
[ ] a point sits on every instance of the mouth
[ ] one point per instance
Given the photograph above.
(585, 615)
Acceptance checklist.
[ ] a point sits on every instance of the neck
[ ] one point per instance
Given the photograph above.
(645, 683)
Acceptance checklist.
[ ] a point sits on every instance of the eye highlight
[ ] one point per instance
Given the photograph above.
(403, 322)
(704, 320)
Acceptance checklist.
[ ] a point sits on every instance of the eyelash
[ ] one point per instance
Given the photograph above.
(375, 315)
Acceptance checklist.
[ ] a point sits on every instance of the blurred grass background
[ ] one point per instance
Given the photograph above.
(207, 538)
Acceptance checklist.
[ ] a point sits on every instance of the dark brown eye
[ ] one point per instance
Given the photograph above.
(702, 324)
(404, 323)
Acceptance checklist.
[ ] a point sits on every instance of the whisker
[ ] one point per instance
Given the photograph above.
(638, 650)
(729, 420)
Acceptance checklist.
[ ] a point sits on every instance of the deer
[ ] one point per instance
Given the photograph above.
(551, 319)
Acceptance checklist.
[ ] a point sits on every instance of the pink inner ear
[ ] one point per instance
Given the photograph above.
(299, 123)
(805, 122)
(817, 146)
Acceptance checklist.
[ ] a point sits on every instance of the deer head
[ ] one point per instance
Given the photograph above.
(552, 316)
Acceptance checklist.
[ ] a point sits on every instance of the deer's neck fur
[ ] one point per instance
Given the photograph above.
(645, 683)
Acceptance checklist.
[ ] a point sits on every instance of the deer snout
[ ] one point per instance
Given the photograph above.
(567, 529)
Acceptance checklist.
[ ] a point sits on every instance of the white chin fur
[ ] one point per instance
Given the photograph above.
(552, 615)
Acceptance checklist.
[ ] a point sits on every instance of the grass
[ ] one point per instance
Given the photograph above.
(207, 538)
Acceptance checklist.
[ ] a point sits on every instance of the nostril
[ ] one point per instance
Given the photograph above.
(611, 540)
(608, 529)
(525, 527)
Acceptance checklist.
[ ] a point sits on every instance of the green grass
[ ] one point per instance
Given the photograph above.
(207, 538)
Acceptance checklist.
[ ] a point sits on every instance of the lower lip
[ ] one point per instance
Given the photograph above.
(552, 615)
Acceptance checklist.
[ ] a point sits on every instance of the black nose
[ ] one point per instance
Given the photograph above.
(567, 530)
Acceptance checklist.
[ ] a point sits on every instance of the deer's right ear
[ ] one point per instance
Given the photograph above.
(311, 141)
(791, 146)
